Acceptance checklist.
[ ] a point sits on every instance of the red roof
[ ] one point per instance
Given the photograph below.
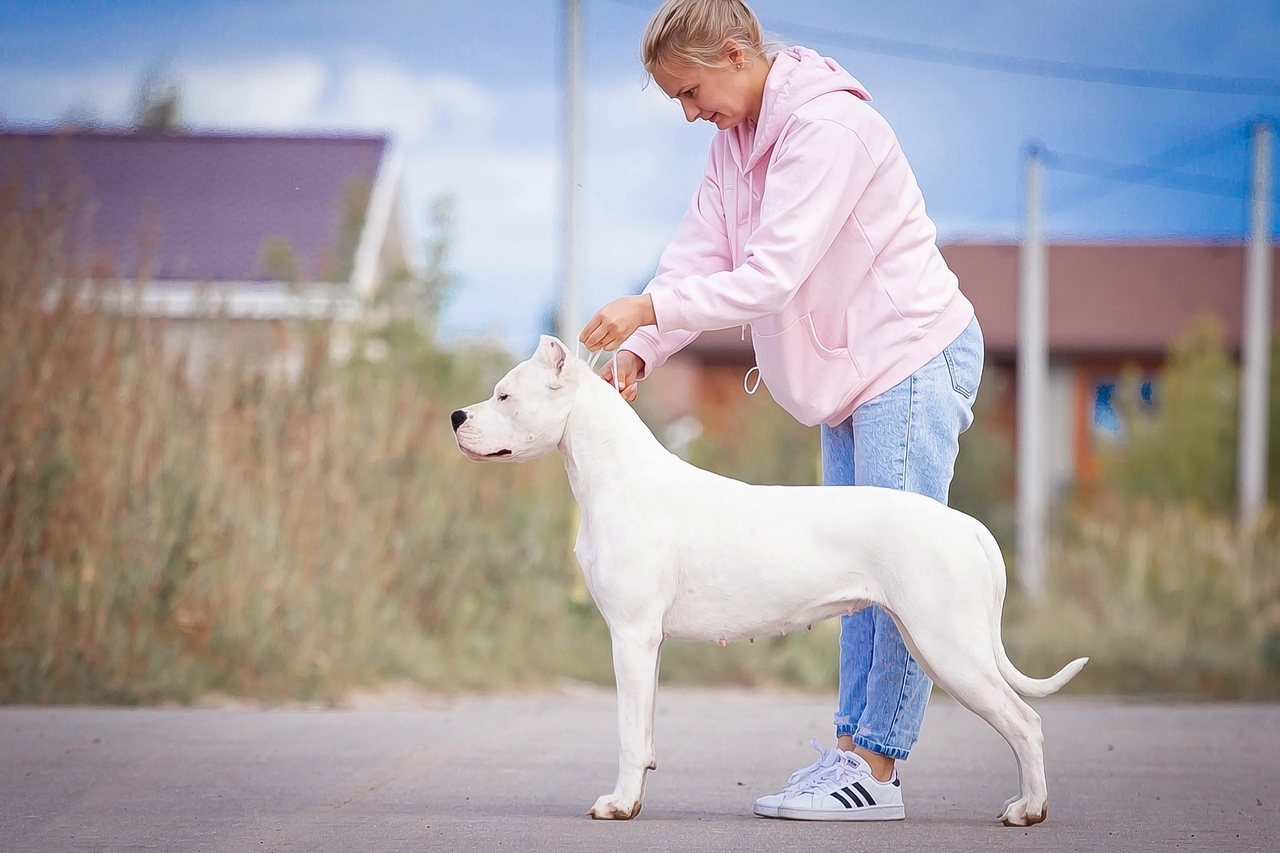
(1104, 299)
(201, 207)
(1111, 299)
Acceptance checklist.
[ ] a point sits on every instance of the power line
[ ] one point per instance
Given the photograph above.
(1053, 68)
(1157, 170)
(1134, 173)
(1004, 63)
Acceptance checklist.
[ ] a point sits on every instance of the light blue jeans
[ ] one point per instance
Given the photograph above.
(907, 438)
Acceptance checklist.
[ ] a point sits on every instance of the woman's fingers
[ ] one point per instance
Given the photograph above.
(596, 333)
(591, 333)
(615, 322)
(626, 380)
(595, 338)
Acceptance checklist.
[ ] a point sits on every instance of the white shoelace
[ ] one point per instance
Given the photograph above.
(842, 770)
(801, 777)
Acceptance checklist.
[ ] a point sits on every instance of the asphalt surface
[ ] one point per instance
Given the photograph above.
(518, 772)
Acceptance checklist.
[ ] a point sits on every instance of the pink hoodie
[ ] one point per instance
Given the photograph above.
(811, 228)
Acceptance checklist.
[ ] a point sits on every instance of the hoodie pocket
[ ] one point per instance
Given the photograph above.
(810, 380)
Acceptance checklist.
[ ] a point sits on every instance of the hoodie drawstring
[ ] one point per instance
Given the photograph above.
(746, 380)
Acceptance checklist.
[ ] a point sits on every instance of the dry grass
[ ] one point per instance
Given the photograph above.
(1164, 600)
(160, 538)
(249, 536)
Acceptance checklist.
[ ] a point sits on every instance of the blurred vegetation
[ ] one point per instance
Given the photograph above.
(1183, 450)
(252, 532)
(1164, 598)
(293, 519)
(158, 102)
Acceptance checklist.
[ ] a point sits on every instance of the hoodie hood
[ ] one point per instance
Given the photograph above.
(797, 77)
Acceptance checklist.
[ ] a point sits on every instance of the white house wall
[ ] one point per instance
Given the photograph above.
(382, 213)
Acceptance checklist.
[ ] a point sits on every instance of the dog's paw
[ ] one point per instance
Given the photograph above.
(609, 808)
(1018, 813)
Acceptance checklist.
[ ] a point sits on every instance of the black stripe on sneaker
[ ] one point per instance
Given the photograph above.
(896, 783)
(852, 795)
(865, 795)
(842, 800)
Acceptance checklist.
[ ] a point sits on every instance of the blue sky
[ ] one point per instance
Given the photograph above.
(469, 94)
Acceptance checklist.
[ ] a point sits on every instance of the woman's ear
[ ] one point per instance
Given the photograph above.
(733, 53)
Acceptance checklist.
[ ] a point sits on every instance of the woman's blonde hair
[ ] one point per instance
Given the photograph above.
(694, 32)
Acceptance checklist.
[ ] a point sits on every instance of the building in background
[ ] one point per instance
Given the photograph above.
(256, 229)
(1111, 305)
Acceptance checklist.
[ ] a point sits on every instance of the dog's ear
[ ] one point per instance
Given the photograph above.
(556, 356)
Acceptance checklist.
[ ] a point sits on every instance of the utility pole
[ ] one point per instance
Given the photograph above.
(570, 323)
(1033, 381)
(1255, 354)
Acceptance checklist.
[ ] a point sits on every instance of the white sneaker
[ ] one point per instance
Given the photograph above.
(767, 806)
(845, 790)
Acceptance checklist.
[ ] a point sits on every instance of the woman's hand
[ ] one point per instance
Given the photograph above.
(629, 367)
(615, 322)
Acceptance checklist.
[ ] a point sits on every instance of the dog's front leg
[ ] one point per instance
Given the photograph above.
(635, 668)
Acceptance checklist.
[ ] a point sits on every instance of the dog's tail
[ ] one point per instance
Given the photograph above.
(1023, 684)
(1035, 687)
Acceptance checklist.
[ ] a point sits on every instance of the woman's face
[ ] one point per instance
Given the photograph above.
(724, 95)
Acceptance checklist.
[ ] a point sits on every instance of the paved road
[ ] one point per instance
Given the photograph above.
(514, 773)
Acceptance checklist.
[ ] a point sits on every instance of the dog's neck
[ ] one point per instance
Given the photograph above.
(604, 441)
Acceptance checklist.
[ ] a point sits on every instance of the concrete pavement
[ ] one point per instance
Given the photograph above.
(518, 772)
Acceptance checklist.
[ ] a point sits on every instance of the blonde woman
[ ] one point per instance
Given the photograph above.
(809, 226)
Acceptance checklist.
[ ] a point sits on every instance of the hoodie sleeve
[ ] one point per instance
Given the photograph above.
(820, 171)
(699, 248)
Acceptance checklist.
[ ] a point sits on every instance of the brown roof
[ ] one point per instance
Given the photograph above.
(1104, 299)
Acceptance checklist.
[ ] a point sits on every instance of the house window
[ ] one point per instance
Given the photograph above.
(1108, 424)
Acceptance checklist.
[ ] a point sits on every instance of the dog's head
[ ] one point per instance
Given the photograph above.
(526, 415)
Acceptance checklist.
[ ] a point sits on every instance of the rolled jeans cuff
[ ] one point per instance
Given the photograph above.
(897, 753)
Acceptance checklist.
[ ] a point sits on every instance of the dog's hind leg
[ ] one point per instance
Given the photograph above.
(635, 668)
(1020, 725)
(966, 668)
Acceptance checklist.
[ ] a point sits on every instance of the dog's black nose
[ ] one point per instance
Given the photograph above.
(458, 417)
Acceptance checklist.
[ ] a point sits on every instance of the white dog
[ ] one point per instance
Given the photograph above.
(670, 550)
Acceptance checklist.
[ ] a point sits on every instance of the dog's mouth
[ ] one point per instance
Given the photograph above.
(480, 457)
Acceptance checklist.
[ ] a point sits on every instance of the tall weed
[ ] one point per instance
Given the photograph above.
(1168, 600)
(163, 536)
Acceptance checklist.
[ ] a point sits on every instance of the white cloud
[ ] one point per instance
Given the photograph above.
(38, 97)
(644, 162)
(507, 208)
(640, 165)
(277, 95)
(445, 111)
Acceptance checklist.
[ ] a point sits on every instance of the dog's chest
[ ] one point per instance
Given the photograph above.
(584, 547)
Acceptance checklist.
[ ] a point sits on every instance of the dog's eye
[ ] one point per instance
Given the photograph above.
(502, 397)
